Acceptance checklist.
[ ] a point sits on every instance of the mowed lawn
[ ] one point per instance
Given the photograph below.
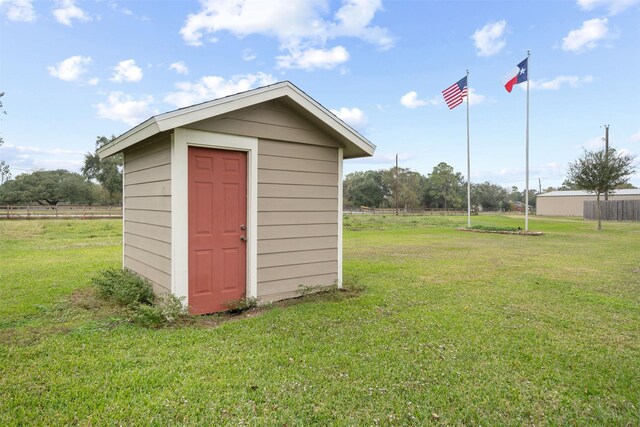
(440, 327)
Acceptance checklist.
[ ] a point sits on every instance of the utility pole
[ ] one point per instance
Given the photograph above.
(539, 186)
(606, 152)
(397, 177)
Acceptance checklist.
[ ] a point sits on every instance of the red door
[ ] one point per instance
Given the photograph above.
(217, 219)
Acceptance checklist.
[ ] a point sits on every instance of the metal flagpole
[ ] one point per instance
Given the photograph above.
(468, 159)
(526, 197)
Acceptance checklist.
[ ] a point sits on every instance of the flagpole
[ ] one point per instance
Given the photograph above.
(526, 197)
(468, 158)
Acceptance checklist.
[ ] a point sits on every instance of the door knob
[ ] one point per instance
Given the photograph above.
(243, 227)
(243, 238)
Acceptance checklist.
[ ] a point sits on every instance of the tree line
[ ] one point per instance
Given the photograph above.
(599, 172)
(443, 188)
(98, 183)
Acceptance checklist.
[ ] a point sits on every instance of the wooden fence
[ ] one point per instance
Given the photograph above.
(403, 212)
(60, 212)
(613, 210)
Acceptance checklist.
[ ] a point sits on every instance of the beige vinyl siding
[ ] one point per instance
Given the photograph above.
(147, 211)
(297, 217)
(270, 120)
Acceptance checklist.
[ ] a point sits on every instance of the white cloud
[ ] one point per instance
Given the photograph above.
(126, 11)
(28, 158)
(71, 68)
(37, 150)
(120, 9)
(489, 39)
(614, 6)
(353, 20)
(213, 87)
(475, 98)
(587, 36)
(248, 55)
(93, 81)
(179, 67)
(67, 11)
(127, 71)
(311, 59)
(286, 20)
(411, 100)
(124, 108)
(558, 82)
(301, 27)
(595, 143)
(354, 117)
(18, 10)
(635, 137)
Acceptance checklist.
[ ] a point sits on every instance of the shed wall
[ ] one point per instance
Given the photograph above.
(147, 211)
(297, 197)
(570, 205)
(297, 217)
(269, 120)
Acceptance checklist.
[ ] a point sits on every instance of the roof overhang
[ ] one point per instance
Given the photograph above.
(355, 145)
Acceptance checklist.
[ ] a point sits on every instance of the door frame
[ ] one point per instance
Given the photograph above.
(181, 139)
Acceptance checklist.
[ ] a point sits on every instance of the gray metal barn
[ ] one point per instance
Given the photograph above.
(240, 196)
(571, 203)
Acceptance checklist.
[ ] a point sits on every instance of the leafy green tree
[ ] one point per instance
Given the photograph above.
(626, 186)
(408, 184)
(516, 195)
(567, 184)
(601, 172)
(364, 189)
(48, 188)
(108, 172)
(5, 171)
(445, 188)
(490, 196)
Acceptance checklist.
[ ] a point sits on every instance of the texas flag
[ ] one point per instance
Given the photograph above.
(516, 76)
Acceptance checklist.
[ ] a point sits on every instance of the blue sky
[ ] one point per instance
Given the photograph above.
(73, 70)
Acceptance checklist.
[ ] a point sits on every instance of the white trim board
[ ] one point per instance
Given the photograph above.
(183, 138)
(124, 210)
(340, 160)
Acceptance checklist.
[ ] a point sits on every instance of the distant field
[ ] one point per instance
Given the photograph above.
(441, 327)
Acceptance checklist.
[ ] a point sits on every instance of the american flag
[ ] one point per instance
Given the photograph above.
(453, 94)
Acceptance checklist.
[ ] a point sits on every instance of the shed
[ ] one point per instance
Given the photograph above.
(571, 203)
(236, 197)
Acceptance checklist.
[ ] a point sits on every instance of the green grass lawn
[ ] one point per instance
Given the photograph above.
(447, 327)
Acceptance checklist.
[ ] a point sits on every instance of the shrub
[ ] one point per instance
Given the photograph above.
(492, 228)
(123, 287)
(304, 290)
(148, 316)
(240, 305)
(167, 309)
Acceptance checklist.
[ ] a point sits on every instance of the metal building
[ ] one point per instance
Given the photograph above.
(571, 203)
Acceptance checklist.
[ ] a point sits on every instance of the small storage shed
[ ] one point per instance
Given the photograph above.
(571, 202)
(236, 197)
